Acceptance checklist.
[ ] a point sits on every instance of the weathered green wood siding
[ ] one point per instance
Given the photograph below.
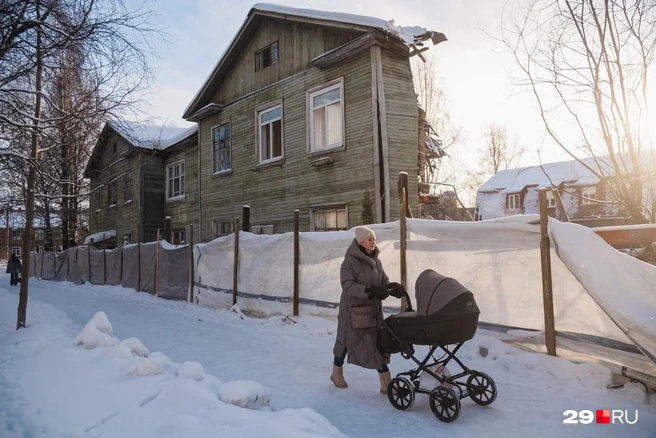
(298, 44)
(402, 128)
(274, 192)
(125, 215)
(185, 212)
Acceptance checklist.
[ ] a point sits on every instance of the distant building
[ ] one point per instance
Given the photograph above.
(515, 191)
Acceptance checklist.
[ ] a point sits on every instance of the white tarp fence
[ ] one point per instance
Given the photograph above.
(499, 261)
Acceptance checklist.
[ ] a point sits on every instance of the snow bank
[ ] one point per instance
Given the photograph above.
(246, 394)
(97, 333)
(191, 370)
(124, 394)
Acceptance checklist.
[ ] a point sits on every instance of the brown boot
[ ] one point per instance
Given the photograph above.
(384, 381)
(337, 377)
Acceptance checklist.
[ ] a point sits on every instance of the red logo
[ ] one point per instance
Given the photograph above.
(603, 416)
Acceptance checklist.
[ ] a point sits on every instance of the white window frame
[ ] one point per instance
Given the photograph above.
(326, 208)
(228, 141)
(128, 190)
(516, 202)
(258, 117)
(588, 192)
(551, 199)
(16, 250)
(181, 176)
(127, 237)
(181, 233)
(312, 147)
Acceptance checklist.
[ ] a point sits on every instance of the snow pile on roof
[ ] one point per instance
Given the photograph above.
(100, 236)
(405, 33)
(152, 136)
(547, 175)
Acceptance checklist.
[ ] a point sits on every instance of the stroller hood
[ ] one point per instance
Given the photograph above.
(434, 291)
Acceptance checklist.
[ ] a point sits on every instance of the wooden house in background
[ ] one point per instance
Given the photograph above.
(308, 110)
(139, 175)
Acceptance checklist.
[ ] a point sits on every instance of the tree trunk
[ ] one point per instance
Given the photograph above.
(31, 177)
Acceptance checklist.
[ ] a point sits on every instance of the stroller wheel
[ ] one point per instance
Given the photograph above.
(445, 404)
(401, 393)
(481, 388)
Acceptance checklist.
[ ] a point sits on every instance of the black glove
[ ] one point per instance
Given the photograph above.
(396, 290)
(376, 291)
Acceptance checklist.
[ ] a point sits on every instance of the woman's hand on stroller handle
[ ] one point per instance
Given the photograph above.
(376, 291)
(396, 290)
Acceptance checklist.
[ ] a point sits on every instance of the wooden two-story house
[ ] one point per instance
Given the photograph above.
(308, 110)
(140, 174)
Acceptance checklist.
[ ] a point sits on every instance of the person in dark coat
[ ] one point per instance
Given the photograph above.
(13, 268)
(363, 280)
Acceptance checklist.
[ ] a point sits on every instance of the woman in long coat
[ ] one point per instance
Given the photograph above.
(363, 280)
(13, 268)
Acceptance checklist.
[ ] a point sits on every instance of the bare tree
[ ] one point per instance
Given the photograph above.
(107, 47)
(588, 64)
(437, 121)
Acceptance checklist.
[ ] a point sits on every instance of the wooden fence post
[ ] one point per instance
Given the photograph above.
(104, 261)
(297, 258)
(43, 250)
(235, 228)
(246, 218)
(138, 266)
(559, 203)
(190, 294)
(547, 290)
(403, 194)
(89, 258)
(157, 265)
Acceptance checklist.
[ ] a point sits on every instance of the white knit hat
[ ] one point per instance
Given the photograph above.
(363, 233)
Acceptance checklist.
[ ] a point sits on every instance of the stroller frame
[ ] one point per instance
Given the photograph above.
(444, 400)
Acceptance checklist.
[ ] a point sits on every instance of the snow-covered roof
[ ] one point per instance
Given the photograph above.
(152, 136)
(405, 33)
(547, 175)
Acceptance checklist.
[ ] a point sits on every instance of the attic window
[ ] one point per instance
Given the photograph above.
(588, 195)
(266, 56)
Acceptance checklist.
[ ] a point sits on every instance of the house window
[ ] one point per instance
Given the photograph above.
(551, 199)
(329, 218)
(221, 148)
(111, 194)
(127, 237)
(588, 195)
(514, 202)
(178, 237)
(128, 189)
(270, 134)
(221, 227)
(326, 118)
(175, 180)
(16, 235)
(262, 229)
(16, 250)
(98, 198)
(266, 56)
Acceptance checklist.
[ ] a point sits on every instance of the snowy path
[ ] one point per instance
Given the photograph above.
(294, 361)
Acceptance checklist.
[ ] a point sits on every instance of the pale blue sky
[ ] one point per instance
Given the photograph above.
(475, 75)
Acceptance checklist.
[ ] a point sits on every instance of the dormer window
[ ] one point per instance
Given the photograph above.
(266, 56)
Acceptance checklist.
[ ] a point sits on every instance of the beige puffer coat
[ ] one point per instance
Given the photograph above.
(357, 325)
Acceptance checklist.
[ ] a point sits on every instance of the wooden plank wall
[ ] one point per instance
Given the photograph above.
(274, 192)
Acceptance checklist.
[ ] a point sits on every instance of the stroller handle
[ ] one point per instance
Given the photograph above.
(407, 300)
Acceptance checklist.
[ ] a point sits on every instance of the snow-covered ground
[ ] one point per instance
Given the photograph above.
(176, 369)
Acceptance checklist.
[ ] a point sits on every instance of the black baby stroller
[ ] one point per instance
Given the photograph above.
(447, 315)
